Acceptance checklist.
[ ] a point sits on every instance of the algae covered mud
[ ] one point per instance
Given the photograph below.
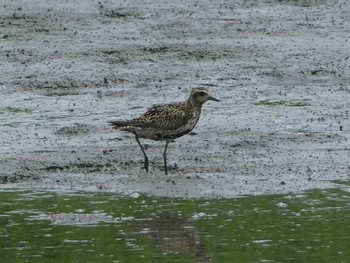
(101, 227)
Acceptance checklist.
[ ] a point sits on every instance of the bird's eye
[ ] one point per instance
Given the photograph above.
(202, 93)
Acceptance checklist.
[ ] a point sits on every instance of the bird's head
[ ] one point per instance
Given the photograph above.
(200, 95)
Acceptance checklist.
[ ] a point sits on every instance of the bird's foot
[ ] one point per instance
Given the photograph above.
(169, 168)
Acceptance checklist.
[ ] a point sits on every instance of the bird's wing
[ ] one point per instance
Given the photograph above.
(164, 117)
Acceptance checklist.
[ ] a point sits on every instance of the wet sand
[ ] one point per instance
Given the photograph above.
(280, 68)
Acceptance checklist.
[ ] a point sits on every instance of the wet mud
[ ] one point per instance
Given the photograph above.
(280, 68)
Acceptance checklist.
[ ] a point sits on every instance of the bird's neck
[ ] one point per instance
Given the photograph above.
(195, 103)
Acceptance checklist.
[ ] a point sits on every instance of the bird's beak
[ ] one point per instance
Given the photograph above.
(212, 98)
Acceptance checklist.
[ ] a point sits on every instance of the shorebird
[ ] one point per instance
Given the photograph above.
(166, 122)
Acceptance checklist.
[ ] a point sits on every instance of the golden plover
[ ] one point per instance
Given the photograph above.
(166, 122)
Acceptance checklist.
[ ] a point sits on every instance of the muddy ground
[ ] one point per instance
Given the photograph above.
(281, 69)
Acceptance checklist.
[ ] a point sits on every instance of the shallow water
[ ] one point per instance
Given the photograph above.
(93, 227)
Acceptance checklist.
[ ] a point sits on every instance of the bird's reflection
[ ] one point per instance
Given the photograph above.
(171, 233)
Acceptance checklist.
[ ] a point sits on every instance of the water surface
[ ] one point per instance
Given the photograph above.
(104, 227)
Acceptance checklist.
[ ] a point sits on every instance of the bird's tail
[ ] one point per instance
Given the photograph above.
(119, 124)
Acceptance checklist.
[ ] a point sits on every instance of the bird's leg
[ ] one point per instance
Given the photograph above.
(143, 151)
(164, 157)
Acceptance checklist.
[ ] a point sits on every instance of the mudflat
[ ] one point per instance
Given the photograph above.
(280, 68)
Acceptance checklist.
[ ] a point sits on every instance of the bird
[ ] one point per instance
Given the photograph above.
(166, 122)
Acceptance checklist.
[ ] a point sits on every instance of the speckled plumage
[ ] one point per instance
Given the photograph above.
(167, 122)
